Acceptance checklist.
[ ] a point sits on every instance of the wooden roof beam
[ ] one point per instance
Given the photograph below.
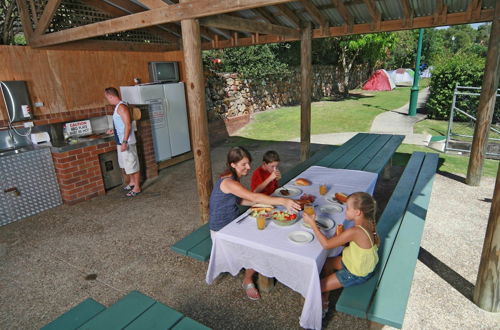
(25, 19)
(346, 15)
(48, 14)
(117, 12)
(374, 13)
(440, 12)
(474, 9)
(266, 15)
(407, 13)
(167, 14)
(315, 14)
(290, 15)
(485, 15)
(133, 8)
(205, 33)
(246, 25)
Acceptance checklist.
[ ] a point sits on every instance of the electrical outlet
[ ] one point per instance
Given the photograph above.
(38, 104)
(28, 124)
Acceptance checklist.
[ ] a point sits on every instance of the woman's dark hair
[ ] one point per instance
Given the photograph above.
(234, 155)
(366, 203)
(271, 156)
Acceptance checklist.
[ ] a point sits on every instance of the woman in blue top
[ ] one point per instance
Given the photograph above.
(228, 192)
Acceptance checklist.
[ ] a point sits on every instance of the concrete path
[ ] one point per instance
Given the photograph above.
(398, 122)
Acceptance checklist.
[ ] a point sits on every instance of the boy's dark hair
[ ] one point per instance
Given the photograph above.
(112, 91)
(271, 156)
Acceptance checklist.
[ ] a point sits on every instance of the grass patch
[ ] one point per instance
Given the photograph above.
(440, 127)
(450, 163)
(354, 114)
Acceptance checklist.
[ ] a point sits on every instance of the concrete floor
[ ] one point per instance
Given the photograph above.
(45, 259)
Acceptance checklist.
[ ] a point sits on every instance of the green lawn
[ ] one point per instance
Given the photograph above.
(447, 163)
(354, 114)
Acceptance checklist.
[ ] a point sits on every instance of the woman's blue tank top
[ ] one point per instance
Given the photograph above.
(223, 207)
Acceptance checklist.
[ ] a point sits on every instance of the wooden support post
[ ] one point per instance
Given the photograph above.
(265, 284)
(195, 89)
(486, 104)
(488, 278)
(305, 91)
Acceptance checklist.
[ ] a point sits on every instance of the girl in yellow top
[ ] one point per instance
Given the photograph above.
(359, 259)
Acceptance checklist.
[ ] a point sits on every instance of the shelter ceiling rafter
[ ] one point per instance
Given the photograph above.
(117, 12)
(240, 24)
(374, 13)
(315, 14)
(48, 13)
(407, 13)
(344, 12)
(290, 15)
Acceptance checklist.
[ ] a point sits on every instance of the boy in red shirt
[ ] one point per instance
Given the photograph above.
(265, 177)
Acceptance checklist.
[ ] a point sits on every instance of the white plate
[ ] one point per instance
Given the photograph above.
(300, 237)
(332, 199)
(293, 191)
(329, 223)
(331, 208)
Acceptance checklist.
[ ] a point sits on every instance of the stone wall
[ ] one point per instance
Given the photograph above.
(229, 96)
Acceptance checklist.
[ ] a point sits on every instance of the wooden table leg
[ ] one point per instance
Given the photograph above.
(266, 284)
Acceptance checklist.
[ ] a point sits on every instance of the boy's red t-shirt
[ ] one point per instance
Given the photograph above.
(258, 176)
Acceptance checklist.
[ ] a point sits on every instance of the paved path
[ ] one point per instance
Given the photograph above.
(398, 122)
(390, 122)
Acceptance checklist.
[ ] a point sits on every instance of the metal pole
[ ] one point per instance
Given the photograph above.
(412, 111)
(450, 121)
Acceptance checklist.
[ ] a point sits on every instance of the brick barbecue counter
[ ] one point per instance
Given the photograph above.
(78, 170)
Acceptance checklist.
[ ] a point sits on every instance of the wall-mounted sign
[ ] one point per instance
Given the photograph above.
(78, 128)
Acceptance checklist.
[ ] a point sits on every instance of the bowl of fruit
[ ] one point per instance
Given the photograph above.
(284, 218)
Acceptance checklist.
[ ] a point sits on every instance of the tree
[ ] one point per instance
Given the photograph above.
(368, 48)
(10, 25)
(249, 62)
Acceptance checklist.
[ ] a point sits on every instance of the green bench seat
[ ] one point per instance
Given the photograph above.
(197, 245)
(77, 316)
(383, 298)
(135, 311)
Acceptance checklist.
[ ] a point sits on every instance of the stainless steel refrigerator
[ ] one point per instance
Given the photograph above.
(168, 115)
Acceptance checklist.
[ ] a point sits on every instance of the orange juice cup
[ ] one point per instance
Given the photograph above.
(261, 221)
(309, 209)
(323, 189)
(340, 229)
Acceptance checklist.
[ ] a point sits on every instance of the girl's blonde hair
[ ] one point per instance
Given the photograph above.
(366, 203)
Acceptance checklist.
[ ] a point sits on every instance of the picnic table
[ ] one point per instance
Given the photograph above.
(270, 252)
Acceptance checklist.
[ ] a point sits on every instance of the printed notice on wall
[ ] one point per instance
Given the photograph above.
(157, 113)
(79, 128)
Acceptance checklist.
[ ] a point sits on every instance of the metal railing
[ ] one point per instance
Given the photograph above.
(461, 123)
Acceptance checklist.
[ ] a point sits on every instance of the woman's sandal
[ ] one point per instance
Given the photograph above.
(132, 193)
(251, 291)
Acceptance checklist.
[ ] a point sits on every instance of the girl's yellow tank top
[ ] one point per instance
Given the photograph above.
(359, 261)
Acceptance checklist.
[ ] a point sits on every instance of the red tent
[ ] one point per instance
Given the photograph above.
(379, 81)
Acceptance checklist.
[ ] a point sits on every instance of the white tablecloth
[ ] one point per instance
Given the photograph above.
(272, 254)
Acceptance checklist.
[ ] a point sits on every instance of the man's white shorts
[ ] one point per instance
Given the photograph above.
(128, 159)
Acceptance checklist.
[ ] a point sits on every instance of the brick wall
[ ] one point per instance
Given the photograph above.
(79, 173)
(149, 167)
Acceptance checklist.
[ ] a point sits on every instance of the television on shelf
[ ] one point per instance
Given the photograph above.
(164, 71)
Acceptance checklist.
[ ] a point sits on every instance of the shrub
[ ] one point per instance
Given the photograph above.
(466, 69)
